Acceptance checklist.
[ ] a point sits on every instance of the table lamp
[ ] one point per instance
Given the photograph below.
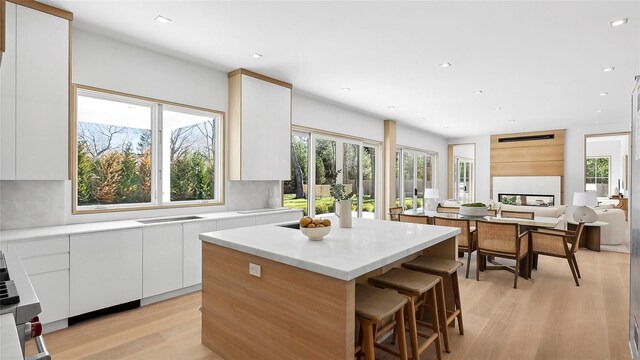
(432, 198)
(583, 213)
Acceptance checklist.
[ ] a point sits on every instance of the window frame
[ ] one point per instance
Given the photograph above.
(595, 172)
(156, 166)
(400, 152)
(314, 134)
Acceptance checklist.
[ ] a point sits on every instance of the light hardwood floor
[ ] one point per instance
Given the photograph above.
(547, 317)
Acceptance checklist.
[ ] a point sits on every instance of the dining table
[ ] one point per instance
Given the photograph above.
(538, 222)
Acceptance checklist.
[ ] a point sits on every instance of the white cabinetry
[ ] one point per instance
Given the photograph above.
(35, 96)
(161, 259)
(192, 250)
(47, 264)
(105, 269)
(259, 127)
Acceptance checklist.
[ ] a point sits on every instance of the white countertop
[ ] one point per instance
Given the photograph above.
(343, 254)
(61, 230)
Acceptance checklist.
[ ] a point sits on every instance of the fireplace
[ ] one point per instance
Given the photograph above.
(527, 199)
(533, 190)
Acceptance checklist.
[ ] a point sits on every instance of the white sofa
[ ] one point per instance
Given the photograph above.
(543, 211)
(614, 232)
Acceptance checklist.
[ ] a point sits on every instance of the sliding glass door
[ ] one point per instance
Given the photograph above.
(417, 173)
(332, 159)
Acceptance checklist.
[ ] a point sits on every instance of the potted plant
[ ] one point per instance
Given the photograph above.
(343, 203)
(473, 209)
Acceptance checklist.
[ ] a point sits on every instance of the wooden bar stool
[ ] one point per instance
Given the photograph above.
(373, 307)
(418, 287)
(443, 267)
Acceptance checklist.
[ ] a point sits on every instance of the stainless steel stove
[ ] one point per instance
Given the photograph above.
(19, 309)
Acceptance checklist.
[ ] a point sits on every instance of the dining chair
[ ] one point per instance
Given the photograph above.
(416, 219)
(558, 243)
(448, 209)
(492, 212)
(394, 212)
(530, 215)
(466, 239)
(502, 240)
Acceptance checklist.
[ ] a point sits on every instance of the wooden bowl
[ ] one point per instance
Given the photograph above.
(316, 234)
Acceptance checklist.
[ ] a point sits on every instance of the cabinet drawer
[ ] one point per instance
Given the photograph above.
(52, 289)
(40, 247)
(42, 264)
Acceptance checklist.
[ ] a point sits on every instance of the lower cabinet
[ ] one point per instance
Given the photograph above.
(46, 261)
(161, 259)
(192, 250)
(105, 269)
(52, 289)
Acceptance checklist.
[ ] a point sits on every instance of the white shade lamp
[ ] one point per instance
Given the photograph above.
(583, 213)
(432, 198)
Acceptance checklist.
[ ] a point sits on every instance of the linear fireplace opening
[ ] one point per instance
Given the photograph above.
(527, 199)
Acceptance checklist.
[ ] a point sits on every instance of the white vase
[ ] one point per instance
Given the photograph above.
(343, 212)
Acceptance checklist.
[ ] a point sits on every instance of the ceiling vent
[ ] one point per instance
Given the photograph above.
(526, 138)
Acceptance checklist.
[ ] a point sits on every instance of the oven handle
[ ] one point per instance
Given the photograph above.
(43, 353)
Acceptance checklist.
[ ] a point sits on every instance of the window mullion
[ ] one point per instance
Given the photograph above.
(159, 155)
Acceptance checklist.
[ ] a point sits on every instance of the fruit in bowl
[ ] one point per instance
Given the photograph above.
(315, 229)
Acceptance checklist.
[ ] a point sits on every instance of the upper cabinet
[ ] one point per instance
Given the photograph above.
(34, 96)
(259, 127)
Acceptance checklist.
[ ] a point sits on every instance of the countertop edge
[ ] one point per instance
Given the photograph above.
(101, 226)
(323, 269)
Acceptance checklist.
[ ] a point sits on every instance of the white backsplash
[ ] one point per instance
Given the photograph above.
(26, 204)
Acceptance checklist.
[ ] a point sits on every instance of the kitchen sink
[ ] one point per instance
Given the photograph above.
(179, 218)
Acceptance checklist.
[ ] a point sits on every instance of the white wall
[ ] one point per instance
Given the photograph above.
(465, 151)
(420, 139)
(574, 155)
(316, 114)
(482, 162)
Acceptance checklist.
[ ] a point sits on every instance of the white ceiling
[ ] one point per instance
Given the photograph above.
(541, 62)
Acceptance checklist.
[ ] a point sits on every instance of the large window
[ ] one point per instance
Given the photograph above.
(134, 152)
(319, 160)
(597, 175)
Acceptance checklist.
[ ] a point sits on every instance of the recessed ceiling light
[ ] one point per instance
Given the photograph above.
(478, 92)
(445, 65)
(599, 110)
(391, 107)
(162, 19)
(498, 108)
(607, 69)
(596, 122)
(345, 89)
(604, 94)
(421, 119)
(256, 55)
(619, 22)
(511, 120)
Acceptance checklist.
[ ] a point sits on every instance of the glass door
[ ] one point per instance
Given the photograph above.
(463, 180)
(349, 162)
(417, 174)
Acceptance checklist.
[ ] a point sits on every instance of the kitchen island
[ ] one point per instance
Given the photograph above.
(299, 302)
